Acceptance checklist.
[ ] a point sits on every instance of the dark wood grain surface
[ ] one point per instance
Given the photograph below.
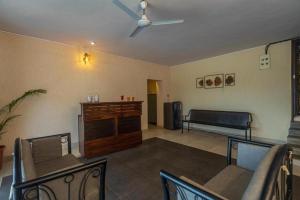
(108, 127)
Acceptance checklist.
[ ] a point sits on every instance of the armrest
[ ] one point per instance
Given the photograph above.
(188, 115)
(249, 124)
(73, 183)
(184, 189)
(250, 144)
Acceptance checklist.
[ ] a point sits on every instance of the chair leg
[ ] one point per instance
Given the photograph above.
(246, 135)
(188, 126)
(250, 134)
(182, 127)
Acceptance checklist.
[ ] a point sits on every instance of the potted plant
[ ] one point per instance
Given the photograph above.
(6, 115)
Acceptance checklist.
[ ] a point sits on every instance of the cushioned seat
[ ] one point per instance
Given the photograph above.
(230, 182)
(190, 195)
(46, 167)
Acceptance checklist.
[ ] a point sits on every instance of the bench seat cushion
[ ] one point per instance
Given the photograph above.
(227, 125)
(230, 182)
(49, 166)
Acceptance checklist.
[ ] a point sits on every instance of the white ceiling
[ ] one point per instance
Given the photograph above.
(212, 27)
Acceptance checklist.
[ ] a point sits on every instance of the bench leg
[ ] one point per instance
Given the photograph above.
(250, 134)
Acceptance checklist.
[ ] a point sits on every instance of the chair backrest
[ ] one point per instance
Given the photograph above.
(65, 139)
(229, 119)
(249, 156)
(17, 158)
(269, 180)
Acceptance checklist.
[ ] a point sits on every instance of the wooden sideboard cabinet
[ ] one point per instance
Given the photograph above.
(108, 127)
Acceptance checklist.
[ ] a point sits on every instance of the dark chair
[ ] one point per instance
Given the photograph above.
(262, 171)
(41, 171)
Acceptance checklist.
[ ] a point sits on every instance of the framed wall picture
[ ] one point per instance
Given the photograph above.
(214, 81)
(199, 82)
(230, 79)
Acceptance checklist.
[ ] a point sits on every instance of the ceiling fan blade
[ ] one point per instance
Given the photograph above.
(166, 22)
(136, 31)
(126, 9)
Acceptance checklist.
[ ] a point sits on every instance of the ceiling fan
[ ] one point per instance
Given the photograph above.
(143, 21)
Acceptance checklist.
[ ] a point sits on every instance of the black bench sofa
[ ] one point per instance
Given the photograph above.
(227, 119)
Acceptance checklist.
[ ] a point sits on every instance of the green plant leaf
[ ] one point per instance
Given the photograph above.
(9, 107)
(4, 122)
(5, 111)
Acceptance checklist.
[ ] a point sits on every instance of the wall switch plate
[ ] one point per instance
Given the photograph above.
(265, 61)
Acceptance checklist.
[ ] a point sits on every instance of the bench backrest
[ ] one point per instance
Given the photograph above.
(230, 119)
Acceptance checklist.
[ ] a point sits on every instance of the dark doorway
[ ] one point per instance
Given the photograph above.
(152, 90)
(295, 78)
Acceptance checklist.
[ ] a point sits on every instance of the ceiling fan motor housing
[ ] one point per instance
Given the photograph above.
(143, 4)
(144, 21)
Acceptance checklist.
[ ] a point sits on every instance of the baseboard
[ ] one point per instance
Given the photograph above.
(157, 126)
(234, 133)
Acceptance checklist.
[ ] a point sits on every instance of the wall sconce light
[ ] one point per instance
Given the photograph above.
(86, 57)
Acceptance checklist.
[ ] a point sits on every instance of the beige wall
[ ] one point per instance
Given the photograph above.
(264, 93)
(28, 63)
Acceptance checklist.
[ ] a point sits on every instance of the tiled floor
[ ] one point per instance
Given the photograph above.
(202, 140)
(198, 139)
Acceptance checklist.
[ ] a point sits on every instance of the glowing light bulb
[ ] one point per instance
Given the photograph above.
(86, 58)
